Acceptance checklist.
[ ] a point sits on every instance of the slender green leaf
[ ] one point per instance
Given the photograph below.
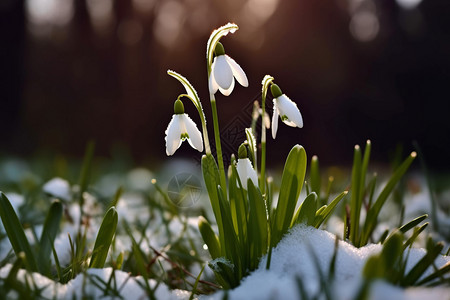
(415, 234)
(356, 200)
(15, 232)
(209, 237)
(232, 248)
(405, 228)
(444, 270)
(211, 178)
(194, 288)
(326, 213)
(104, 238)
(49, 231)
(315, 177)
(433, 250)
(372, 214)
(291, 186)
(306, 212)
(258, 227)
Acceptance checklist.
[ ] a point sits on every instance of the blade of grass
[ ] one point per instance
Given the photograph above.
(211, 178)
(104, 238)
(15, 233)
(356, 201)
(49, 231)
(209, 237)
(372, 214)
(291, 186)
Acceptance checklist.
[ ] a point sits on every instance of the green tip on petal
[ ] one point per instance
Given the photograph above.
(220, 50)
(276, 91)
(242, 152)
(178, 107)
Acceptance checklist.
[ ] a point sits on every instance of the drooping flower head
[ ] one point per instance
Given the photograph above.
(182, 128)
(286, 109)
(224, 70)
(245, 168)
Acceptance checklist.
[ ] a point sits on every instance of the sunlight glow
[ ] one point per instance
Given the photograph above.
(101, 14)
(168, 23)
(49, 12)
(364, 26)
(408, 4)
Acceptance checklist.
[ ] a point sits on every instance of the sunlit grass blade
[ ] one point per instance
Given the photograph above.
(326, 213)
(211, 178)
(433, 250)
(415, 234)
(194, 288)
(232, 249)
(413, 223)
(314, 178)
(104, 238)
(291, 185)
(15, 233)
(49, 231)
(209, 237)
(257, 222)
(356, 201)
(238, 204)
(306, 212)
(437, 274)
(372, 214)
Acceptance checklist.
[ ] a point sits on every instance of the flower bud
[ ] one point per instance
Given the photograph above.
(276, 91)
(242, 152)
(178, 107)
(220, 50)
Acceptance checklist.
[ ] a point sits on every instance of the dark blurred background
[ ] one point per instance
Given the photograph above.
(75, 70)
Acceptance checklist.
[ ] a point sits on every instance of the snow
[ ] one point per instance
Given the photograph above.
(90, 283)
(294, 258)
(59, 188)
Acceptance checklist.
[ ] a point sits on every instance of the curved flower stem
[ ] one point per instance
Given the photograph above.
(265, 86)
(218, 143)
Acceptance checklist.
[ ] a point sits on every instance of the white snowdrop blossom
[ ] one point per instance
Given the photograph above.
(246, 171)
(182, 128)
(224, 70)
(286, 109)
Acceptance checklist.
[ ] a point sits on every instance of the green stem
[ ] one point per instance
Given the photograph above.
(262, 183)
(218, 143)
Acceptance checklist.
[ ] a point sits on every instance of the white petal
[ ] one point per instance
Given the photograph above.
(238, 73)
(173, 134)
(222, 72)
(274, 119)
(195, 137)
(213, 86)
(227, 92)
(245, 171)
(288, 108)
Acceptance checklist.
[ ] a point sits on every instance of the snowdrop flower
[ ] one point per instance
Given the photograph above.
(223, 71)
(286, 109)
(180, 128)
(244, 168)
